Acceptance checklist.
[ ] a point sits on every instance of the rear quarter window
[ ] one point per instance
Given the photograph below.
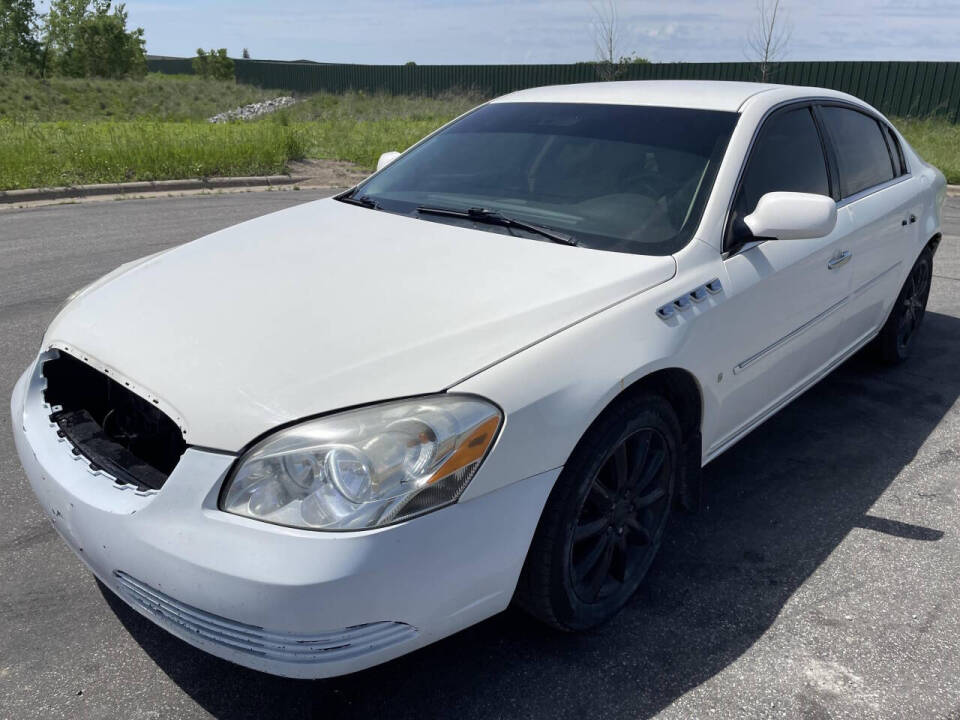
(862, 154)
(896, 152)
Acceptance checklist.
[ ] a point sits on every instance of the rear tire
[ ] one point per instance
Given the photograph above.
(896, 339)
(604, 521)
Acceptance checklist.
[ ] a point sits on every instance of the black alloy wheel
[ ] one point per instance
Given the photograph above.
(605, 518)
(914, 303)
(625, 508)
(898, 336)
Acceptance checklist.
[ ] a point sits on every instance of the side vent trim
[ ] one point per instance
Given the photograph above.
(685, 302)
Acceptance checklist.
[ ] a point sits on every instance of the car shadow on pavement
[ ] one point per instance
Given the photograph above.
(776, 506)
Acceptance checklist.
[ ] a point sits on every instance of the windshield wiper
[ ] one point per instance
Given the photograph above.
(497, 218)
(361, 200)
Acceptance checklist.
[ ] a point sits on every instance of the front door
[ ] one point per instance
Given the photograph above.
(782, 322)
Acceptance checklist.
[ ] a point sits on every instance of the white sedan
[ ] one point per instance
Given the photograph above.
(487, 374)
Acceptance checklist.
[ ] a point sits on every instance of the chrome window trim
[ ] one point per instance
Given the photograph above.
(806, 101)
(871, 190)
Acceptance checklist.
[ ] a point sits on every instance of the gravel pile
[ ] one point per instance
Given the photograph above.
(248, 112)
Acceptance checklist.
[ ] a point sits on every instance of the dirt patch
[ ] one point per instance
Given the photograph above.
(327, 173)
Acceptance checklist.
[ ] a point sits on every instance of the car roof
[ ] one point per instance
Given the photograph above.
(698, 94)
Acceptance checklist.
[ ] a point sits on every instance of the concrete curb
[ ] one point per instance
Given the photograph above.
(78, 191)
(159, 186)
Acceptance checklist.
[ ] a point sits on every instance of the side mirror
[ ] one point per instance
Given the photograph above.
(386, 159)
(792, 216)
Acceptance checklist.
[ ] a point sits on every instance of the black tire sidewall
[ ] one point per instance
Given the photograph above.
(588, 458)
(888, 340)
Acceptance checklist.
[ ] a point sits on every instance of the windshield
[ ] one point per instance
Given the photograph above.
(612, 177)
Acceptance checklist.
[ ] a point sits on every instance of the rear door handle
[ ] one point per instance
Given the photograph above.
(839, 260)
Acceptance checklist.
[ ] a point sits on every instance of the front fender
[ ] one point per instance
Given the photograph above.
(552, 391)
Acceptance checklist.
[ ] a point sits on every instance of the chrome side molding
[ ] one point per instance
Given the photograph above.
(685, 302)
(756, 357)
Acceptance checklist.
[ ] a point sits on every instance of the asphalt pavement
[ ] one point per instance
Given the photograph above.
(820, 580)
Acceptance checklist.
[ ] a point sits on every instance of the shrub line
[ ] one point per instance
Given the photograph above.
(213, 183)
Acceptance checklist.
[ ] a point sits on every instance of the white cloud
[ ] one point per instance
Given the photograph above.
(541, 31)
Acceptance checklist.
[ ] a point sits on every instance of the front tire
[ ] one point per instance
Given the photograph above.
(604, 521)
(896, 339)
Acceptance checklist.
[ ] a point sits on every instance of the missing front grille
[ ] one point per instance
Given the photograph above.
(116, 430)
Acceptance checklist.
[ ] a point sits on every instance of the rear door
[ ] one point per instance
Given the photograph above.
(881, 205)
(783, 319)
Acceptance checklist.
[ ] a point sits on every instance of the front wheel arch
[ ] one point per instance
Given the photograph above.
(546, 587)
(681, 389)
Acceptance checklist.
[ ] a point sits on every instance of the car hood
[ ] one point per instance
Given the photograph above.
(327, 305)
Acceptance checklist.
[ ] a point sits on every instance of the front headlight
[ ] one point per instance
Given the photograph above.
(365, 468)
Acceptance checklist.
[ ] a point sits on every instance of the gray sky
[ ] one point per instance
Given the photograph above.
(541, 31)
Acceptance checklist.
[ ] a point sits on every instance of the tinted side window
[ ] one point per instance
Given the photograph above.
(863, 156)
(787, 156)
(899, 165)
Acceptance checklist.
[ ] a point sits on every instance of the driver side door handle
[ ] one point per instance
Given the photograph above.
(839, 260)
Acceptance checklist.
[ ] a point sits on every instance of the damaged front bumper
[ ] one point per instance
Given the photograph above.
(285, 601)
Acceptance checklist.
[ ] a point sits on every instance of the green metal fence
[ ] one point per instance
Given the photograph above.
(895, 88)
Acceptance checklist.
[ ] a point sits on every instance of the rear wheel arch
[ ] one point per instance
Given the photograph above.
(893, 343)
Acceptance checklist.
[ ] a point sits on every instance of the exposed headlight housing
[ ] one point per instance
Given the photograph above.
(365, 468)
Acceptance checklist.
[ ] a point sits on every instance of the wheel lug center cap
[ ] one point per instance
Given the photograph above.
(621, 510)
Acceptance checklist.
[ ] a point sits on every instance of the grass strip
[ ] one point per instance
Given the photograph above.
(155, 97)
(355, 126)
(53, 154)
(936, 141)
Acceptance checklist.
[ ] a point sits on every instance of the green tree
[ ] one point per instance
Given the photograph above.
(85, 39)
(19, 47)
(104, 48)
(60, 30)
(214, 64)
